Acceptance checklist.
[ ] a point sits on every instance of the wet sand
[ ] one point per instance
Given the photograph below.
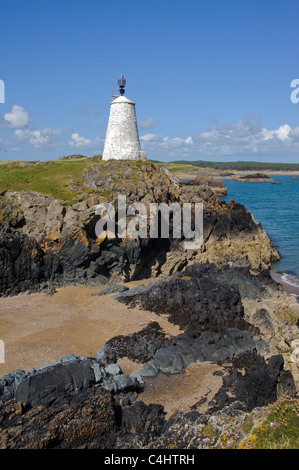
(288, 288)
(38, 329)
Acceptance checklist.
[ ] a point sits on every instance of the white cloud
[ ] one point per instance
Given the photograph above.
(80, 141)
(39, 137)
(283, 132)
(16, 119)
(148, 137)
(245, 138)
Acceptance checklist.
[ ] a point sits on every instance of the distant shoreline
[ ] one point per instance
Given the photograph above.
(192, 174)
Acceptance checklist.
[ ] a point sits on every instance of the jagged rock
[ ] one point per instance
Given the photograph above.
(55, 381)
(84, 421)
(257, 385)
(190, 347)
(149, 370)
(129, 295)
(69, 248)
(111, 290)
(70, 375)
(140, 346)
(9, 383)
(250, 288)
(91, 419)
(213, 306)
(22, 264)
(262, 319)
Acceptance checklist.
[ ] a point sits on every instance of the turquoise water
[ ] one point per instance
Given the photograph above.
(276, 207)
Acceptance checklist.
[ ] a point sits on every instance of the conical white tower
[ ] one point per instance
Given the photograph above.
(122, 139)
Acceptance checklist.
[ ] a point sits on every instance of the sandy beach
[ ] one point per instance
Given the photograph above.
(38, 329)
(289, 288)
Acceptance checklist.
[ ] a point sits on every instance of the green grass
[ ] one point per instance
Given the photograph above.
(178, 168)
(51, 179)
(279, 429)
(62, 179)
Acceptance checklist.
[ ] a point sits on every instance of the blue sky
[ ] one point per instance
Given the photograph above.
(210, 79)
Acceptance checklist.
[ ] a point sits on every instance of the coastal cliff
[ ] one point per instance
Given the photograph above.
(58, 241)
(230, 314)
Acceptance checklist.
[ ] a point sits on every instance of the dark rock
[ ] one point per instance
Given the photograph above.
(190, 347)
(250, 288)
(140, 346)
(140, 421)
(22, 263)
(113, 369)
(149, 370)
(111, 290)
(213, 305)
(124, 382)
(63, 242)
(129, 295)
(258, 384)
(55, 382)
(9, 383)
(169, 360)
(86, 420)
(70, 375)
(91, 419)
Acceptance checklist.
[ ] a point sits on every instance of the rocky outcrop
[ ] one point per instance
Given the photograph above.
(213, 305)
(91, 419)
(88, 422)
(223, 298)
(191, 347)
(85, 415)
(216, 184)
(256, 178)
(68, 376)
(69, 252)
(85, 402)
(22, 262)
(250, 385)
(139, 347)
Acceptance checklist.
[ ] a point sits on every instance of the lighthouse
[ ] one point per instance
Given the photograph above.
(122, 138)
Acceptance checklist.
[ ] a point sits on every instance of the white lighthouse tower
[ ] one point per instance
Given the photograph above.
(122, 139)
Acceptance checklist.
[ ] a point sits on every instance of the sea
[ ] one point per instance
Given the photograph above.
(276, 207)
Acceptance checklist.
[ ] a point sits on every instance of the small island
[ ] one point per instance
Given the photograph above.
(256, 178)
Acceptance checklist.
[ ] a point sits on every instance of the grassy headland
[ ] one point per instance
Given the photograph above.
(63, 178)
